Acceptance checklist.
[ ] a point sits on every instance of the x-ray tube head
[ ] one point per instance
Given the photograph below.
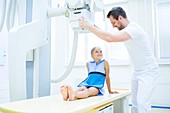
(74, 17)
(76, 10)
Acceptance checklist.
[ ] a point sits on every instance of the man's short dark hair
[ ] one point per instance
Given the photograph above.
(116, 12)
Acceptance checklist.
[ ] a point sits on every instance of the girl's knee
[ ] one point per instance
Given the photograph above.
(92, 92)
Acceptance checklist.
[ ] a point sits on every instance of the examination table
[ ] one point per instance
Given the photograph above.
(55, 104)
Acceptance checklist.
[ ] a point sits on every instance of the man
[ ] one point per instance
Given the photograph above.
(145, 68)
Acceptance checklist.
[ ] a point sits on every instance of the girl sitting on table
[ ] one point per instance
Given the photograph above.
(98, 71)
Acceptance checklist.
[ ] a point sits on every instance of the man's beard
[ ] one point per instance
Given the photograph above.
(121, 27)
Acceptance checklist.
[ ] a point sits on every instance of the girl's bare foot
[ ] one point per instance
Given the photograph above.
(64, 92)
(70, 93)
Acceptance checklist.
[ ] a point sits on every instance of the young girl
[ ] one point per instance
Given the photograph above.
(98, 71)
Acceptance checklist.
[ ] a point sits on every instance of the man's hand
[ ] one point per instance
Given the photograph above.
(83, 23)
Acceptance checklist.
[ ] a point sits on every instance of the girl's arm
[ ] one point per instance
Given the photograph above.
(87, 66)
(107, 69)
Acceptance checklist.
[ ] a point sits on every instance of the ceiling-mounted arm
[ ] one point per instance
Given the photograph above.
(53, 12)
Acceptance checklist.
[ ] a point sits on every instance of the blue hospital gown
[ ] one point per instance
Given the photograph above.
(96, 76)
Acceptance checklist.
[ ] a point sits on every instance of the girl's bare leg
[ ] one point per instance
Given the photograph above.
(82, 88)
(92, 91)
(64, 92)
(71, 93)
(80, 94)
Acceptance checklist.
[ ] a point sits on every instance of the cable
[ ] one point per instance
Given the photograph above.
(8, 15)
(3, 14)
(12, 16)
(73, 56)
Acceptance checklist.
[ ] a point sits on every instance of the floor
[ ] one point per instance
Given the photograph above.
(157, 110)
